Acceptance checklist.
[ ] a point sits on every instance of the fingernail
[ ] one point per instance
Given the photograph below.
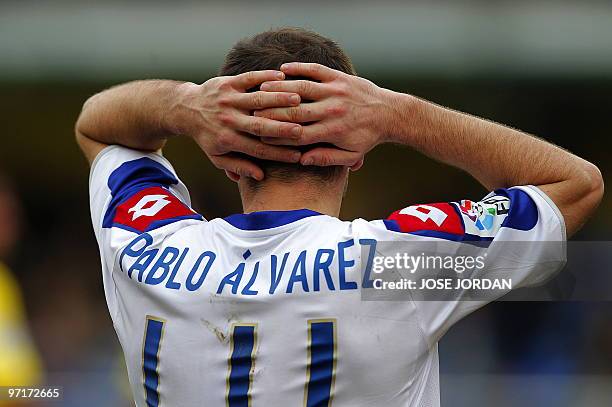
(296, 131)
(265, 86)
(295, 99)
(280, 75)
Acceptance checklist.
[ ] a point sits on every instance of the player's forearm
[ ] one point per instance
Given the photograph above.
(134, 114)
(499, 156)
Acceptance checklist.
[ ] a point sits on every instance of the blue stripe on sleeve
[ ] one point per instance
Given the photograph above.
(523, 214)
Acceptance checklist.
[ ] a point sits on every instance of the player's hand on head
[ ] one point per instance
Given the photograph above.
(346, 111)
(218, 115)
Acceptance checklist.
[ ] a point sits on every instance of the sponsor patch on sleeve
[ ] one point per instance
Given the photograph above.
(436, 217)
(151, 208)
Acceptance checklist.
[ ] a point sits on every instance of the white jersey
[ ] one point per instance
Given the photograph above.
(265, 309)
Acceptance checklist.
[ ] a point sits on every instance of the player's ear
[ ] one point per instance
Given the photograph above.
(232, 175)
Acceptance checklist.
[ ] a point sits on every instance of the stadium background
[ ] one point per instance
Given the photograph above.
(544, 67)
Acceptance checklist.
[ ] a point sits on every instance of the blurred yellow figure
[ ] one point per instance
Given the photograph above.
(19, 361)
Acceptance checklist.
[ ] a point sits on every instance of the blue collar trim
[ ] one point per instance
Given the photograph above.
(267, 219)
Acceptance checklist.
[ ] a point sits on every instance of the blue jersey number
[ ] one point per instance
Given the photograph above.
(320, 371)
(154, 331)
(241, 364)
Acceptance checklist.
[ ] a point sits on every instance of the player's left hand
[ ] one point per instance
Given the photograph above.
(217, 115)
(346, 111)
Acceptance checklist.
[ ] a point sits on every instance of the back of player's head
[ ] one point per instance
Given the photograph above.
(271, 49)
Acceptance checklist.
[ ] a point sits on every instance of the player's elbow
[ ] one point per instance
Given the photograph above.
(79, 136)
(581, 195)
(81, 123)
(595, 184)
(591, 187)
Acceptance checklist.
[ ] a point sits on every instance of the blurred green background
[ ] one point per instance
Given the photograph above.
(544, 67)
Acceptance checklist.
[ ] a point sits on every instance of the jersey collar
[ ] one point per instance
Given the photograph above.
(267, 219)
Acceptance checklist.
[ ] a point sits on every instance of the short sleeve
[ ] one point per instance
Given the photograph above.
(519, 213)
(519, 231)
(132, 192)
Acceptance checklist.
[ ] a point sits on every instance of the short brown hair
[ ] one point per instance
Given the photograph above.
(271, 49)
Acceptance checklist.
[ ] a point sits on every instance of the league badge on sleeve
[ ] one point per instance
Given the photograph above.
(151, 208)
(484, 218)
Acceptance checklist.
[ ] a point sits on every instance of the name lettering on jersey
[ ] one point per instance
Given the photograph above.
(150, 208)
(176, 268)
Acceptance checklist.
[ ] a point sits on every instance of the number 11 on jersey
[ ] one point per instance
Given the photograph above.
(320, 368)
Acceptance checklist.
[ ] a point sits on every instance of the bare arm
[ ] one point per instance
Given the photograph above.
(498, 156)
(131, 115)
(356, 115)
(144, 114)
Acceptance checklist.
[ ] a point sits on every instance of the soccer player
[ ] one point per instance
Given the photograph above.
(264, 308)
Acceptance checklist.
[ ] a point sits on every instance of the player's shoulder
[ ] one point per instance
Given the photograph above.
(136, 191)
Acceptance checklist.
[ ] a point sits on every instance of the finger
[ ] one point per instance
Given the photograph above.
(357, 166)
(260, 126)
(310, 70)
(232, 175)
(281, 141)
(306, 112)
(251, 79)
(306, 89)
(313, 133)
(256, 148)
(327, 156)
(319, 132)
(237, 165)
(263, 100)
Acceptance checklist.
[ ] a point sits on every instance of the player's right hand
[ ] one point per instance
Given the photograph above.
(347, 111)
(218, 116)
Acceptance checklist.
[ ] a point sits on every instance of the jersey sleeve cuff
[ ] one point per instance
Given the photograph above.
(532, 189)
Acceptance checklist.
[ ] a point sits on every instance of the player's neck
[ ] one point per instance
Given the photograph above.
(285, 197)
